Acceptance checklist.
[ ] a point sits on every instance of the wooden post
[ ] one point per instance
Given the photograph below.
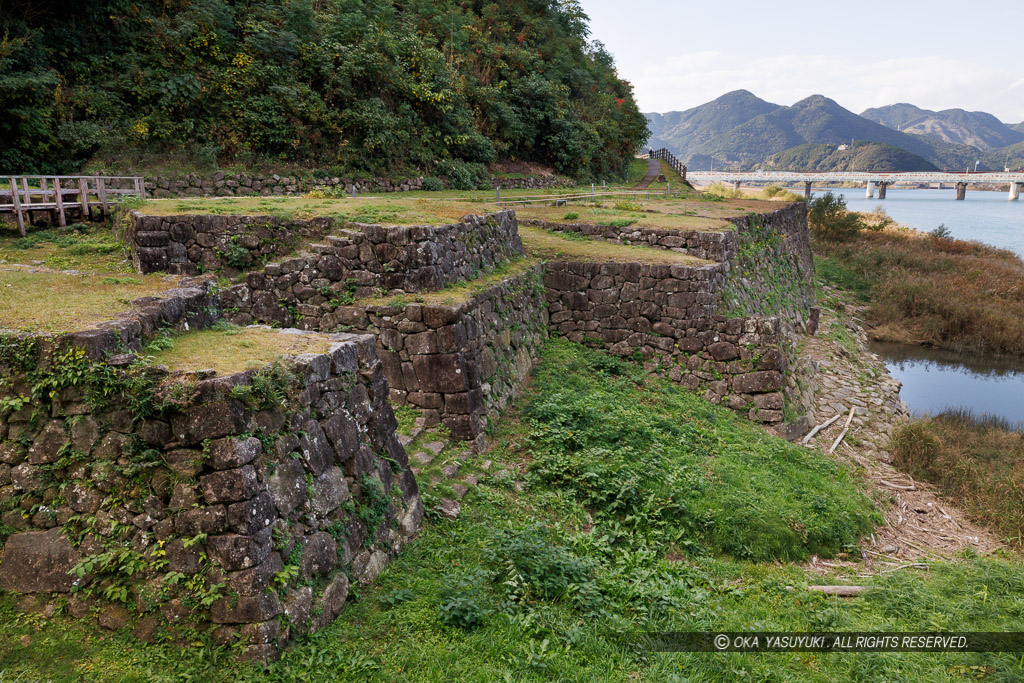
(101, 190)
(83, 197)
(44, 191)
(58, 195)
(17, 206)
(27, 197)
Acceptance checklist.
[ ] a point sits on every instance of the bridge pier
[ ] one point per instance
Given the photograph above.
(737, 184)
(870, 194)
(1015, 191)
(881, 190)
(807, 190)
(961, 191)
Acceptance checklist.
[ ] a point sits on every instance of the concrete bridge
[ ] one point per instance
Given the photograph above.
(873, 181)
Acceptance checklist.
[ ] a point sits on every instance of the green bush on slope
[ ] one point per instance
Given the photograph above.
(376, 86)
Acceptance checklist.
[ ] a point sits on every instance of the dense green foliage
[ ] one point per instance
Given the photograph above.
(659, 466)
(828, 218)
(371, 85)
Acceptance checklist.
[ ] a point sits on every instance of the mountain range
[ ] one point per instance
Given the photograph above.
(741, 131)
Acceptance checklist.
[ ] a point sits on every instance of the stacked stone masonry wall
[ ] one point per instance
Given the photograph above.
(666, 314)
(719, 246)
(410, 258)
(460, 364)
(222, 184)
(663, 312)
(214, 485)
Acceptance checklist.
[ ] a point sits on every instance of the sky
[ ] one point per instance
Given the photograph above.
(937, 55)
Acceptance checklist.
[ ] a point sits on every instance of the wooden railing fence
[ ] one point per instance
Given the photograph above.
(24, 195)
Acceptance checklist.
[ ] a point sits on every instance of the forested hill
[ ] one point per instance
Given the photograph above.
(381, 86)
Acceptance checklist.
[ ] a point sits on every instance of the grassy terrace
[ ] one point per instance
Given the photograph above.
(226, 349)
(552, 245)
(63, 302)
(434, 208)
(80, 246)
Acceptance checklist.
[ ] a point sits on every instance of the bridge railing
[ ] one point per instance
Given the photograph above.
(24, 194)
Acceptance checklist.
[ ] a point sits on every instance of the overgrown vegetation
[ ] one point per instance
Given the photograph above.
(361, 87)
(928, 289)
(975, 461)
(543, 583)
(829, 219)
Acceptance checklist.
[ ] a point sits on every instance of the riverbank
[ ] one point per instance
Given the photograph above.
(926, 290)
(930, 290)
(920, 522)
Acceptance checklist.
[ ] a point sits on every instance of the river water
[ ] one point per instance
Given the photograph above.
(934, 380)
(987, 217)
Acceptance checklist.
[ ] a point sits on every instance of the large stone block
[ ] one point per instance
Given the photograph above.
(757, 382)
(237, 551)
(443, 373)
(209, 421)
(38, 562)
(228, 486)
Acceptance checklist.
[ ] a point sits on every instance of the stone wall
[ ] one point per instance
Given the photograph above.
(305, 291)
(414, 258)
(193, 304)
(223, 184)
(244, 505)
(531, 182)
(191, 244)
(666, 315)
(720, 246)
(461, 364)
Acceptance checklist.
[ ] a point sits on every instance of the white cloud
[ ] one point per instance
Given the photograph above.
(687, 80)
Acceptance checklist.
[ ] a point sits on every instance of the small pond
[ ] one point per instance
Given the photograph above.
(935, 379)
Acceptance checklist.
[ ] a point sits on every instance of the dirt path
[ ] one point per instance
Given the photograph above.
(653, 170)
(919, 523)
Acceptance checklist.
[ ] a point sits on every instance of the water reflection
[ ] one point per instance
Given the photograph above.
(935, 379)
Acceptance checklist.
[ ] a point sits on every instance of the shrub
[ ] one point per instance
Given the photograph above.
(828, 218)
(464, 175)
(432, 184)
(570, 216)
(462, 600)
(722, 191)
(533, 566)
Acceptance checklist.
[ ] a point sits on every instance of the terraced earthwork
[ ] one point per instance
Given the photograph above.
(218, 452)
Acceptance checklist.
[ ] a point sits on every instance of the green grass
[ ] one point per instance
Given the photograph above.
(226, 349)
(50, 301)
(87, 247)
(540, 584)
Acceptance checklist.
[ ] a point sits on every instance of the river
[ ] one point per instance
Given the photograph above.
(987, 217)
(934, 380)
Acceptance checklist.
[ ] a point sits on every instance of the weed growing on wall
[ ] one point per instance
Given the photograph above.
(765, 278)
